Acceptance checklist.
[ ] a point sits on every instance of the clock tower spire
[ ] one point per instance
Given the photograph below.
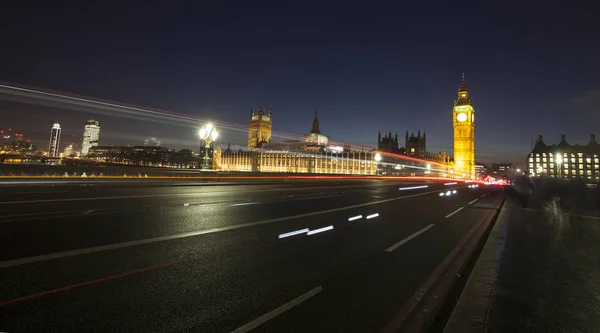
(463, 120)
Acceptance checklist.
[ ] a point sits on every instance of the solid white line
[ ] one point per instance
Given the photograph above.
(372, 216)
(451, 183)
(270, 315)
(412, 187)
(293, 233)
(472, 201)
(454, 212)
(316, 231)
(358, 217)
(407, 239)
(58, 255)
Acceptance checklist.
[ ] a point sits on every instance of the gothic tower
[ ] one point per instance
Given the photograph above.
(463, 120)
(260, 127)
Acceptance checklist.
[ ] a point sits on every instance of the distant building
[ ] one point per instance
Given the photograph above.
(564, 160)
(480, 169)
(91, 134)
(315, 136)
(143, 156)
(416, 146)
(388, 143)
(54, 140)
(260, 127)
(503, 170)
(68, 151)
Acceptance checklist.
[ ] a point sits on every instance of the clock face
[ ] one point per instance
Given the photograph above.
(461, 117)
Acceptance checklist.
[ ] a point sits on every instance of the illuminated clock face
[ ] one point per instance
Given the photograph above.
(461, 117)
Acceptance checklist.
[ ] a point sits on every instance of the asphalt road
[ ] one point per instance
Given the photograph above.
(210, 257)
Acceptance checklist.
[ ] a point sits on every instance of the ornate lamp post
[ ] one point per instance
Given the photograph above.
(208, 133)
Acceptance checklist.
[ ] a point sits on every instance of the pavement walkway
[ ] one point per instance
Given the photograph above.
(539, 271)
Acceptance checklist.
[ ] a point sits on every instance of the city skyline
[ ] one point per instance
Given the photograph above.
(390, 68)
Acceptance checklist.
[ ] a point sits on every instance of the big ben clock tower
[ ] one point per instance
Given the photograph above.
(463, 120)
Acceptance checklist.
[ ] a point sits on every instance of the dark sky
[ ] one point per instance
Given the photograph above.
(532, 67)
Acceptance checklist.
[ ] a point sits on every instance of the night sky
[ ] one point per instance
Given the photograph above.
(532, 67)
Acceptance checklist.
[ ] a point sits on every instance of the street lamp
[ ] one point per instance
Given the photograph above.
(208, 133)
(378, 157)
(559, 162)
(428, 168)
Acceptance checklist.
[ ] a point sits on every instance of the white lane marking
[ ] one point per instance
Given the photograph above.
(316, 231)
(187, 204)
(454, 212)
(245, 204)
(87, 212)
(407, 239)
(372, 216)
(376, 197)
(483, 195)
(58, 255)
(413, 187)
(472, 201)
(270, 315)
(454, 183)
(357, 217)
(293, 233)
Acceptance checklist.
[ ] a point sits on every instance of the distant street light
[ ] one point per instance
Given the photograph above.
(208, 133)
(378, 157)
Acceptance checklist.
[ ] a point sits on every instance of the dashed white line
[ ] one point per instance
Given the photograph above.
(453, 183)
(316, 231)
(353, 218)
(407, 239)
(472, 201)
(187, 204)
(483, 195)
(413, 187)
(65, 254)
(372, 216)
(87, 212)
(270, 315)
(293, 233)
(454, 212)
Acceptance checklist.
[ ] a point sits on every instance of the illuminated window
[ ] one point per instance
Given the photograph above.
(544, 159)
(580, 154)
(566, 172)
(581, 160)
(531, 165)
(537, 159)
(573, 160)
(588, 160)
(537, 155)
(580, 166)
(545, 166)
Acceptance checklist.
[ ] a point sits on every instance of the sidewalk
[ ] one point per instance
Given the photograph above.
(538, 272)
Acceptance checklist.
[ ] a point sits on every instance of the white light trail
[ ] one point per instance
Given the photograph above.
(413, 187)
(293, 233)
(316, 231)
(454, 183)
(357, 217)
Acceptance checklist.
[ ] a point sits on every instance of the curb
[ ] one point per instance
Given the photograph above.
(471, 311)
(428, 312)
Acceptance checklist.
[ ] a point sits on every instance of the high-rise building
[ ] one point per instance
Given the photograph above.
(91, 134)
(463, 120)
(260, 127)
(54, 140)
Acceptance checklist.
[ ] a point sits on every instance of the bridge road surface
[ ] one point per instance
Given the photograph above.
(203, 257)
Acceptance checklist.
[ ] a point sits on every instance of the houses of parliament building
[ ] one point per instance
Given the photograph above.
(311, 155)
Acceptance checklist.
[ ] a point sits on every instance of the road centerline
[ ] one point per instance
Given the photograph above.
(270, 315)
(409, 238)
(454, 212)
